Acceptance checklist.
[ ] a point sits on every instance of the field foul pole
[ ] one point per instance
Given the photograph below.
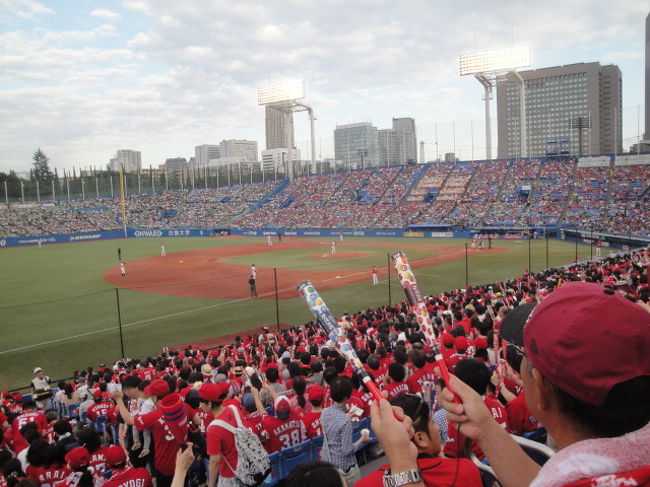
(122, 201)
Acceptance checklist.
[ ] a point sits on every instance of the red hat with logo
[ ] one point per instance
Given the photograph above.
(282, 407)
(584, 339)
(214, 392)
(158, 388)
(78, 457)
(316, 393)
(114, 455)
(447, 339)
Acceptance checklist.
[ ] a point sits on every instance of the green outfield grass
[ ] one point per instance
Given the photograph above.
(58, 313)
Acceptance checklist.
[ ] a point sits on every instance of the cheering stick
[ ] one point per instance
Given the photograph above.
(336, 334)
(418, 306)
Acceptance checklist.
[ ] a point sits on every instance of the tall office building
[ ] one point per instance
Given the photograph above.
(389, 147)
(558, 101)
(203, 154)
(130, 160)
(405, 129)
(246, 150)
(279, 127)
(357, 144)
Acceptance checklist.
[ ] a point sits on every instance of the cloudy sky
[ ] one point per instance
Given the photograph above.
(81, 79)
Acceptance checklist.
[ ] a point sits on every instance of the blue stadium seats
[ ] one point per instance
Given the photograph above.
(276, 473)
(291, 457)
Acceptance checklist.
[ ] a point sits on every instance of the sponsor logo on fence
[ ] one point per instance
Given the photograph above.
(249, 232)
(441, 234)
(291, 234)
(93, 236)
(314, 234)
(386, 234)
(178, 233)
(414, 234)
(148, 233)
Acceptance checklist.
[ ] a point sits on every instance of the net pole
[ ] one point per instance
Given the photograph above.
(277, 301)
(388, 266)
(123, 201)
(119, 320)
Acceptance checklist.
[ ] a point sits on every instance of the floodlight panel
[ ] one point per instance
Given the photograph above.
(477, 62)
(277, 94)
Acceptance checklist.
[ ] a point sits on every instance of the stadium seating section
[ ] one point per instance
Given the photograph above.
(496, 193)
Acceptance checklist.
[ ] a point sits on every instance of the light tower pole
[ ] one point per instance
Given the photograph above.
(488, 67)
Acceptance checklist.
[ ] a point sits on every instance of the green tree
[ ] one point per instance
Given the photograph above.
(41, 170)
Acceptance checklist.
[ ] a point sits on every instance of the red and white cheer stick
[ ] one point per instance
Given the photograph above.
(419, 308)
(336, 334)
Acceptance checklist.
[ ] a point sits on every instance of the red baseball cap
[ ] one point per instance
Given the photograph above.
(316, 393)
(461, 343)
(115, 455)
(214, 392)
(447, 339)
(98, 394)
(18, 397)
(78, 457)
(282, 405)
(584, 339)
(158, 388)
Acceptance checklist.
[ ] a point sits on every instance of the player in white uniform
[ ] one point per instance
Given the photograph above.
(163, 252)
(375, 275)
(333, 251)
(269, 242)
(254, 271)
(122, 269)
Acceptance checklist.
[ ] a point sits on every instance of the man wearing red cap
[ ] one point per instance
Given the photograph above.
(311, 420)
(221, 445)
(100, 408)
(586, 373)
(123, 474)
(422, 375)
(78, 460)
(29, 415)
(166, 444)
(282, 430)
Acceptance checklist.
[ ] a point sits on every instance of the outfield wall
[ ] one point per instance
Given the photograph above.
(510, 234)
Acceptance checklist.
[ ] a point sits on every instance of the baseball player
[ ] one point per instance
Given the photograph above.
(333, 251)
(163, 252)
(599, 246)
(254, 271)
(375, 275)
(122, 269)
(269, 242)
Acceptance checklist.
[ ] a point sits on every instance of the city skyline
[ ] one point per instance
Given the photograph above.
(83, 80)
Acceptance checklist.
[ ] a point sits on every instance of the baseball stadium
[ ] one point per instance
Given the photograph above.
(460, 224)
(374, 316)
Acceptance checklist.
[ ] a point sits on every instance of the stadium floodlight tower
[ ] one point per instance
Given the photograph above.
(487, 67)
(286, 98)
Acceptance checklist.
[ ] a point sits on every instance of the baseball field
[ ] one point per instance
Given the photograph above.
(62, 305)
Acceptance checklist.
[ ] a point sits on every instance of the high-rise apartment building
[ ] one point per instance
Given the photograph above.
(389, 147)
(279, 127)
(203, 154)
(405, 129)
(357, 144)
(560, 100)
(129, 160)
(245, 150)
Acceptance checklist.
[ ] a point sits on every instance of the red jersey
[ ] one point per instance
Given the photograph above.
(165, 443)
(98, 460)
(48, 476)
(283, 433)
(129, 477)
(254, 421)
(311, 421)
(26, 418)
(454, 447)
(220, 441)
(396, 389)
(97, 410)
(418, 378)
(520, 419)
(434, 471)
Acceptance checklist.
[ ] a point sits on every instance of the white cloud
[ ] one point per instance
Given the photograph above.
(188, 71)
(23, 9)
(104, 13)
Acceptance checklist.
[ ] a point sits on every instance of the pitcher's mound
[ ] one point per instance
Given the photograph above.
(339, 255)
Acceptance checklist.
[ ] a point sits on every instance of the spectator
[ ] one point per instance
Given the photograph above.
(586, 384)
(337, 428)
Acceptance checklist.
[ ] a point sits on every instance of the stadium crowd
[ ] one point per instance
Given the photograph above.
(124, 424)
(493, 193)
